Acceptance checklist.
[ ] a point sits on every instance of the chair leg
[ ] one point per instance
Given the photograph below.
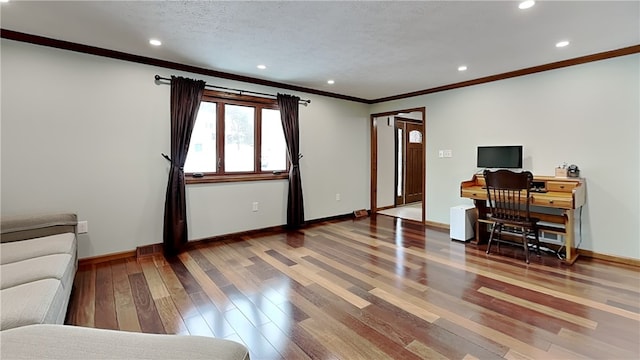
(525, 243)
(536, 232)
(499, 234)
(493, 231)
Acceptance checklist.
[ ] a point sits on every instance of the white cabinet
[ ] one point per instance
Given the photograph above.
(462, 222)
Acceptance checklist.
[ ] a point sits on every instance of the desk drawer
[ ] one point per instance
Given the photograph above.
(474, 193)
(560, 203)
(562, 186)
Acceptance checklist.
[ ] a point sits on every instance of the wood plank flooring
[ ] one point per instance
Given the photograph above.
(372, 288)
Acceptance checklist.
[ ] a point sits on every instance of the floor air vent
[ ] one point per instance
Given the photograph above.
(148, 250)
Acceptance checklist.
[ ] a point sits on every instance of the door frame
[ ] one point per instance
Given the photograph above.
(374, 157)
(405, 138)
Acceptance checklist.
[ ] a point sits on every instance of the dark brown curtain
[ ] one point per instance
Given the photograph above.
(185, 102)
(289, 115)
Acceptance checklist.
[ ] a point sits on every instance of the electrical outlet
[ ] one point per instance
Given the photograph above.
(448, 153)
(338, 197)
(255, 206)
(83, 227)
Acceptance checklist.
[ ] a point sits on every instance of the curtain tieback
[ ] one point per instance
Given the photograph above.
(296, 165)
(172, 164)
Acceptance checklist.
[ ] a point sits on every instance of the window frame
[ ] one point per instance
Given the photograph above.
(258, 103)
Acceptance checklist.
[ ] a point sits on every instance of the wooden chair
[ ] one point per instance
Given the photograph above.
(509, 199)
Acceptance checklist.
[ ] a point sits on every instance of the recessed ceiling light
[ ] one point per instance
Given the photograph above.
(562, 43)
(261, 67)
(331, 82)
(462, 68)
(526, 4)
(155, 42)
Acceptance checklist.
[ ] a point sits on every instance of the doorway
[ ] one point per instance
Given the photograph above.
(409, 165)
(394, 150)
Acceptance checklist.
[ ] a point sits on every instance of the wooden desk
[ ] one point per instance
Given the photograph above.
(566, 194)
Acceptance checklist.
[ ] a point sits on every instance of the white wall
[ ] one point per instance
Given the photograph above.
(587, 115)
(335, 144)
(386, 161)
(83, 134)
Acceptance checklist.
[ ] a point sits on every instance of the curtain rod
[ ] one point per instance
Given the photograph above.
(302, 101)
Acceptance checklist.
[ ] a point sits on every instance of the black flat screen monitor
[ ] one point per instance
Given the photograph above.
(500, 156)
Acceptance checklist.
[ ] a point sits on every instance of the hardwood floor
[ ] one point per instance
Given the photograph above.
(372, 288)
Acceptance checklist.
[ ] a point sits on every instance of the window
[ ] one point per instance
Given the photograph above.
(236, 138)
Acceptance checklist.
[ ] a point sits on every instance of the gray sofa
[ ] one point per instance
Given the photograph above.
(38, 259)
(38, 262)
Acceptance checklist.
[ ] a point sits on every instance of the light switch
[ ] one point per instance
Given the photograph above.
(83, 227)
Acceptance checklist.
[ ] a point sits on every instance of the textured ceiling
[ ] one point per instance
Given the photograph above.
(371, 49)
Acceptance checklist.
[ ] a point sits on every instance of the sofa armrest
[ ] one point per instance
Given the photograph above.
(29, 227)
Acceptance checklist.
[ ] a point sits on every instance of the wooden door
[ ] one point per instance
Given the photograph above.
(409, 163)
(413, 163)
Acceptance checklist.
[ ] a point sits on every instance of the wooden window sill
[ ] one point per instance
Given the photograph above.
(213, 178)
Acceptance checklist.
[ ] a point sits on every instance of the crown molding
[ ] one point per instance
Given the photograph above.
(522, 72)
(93, 50)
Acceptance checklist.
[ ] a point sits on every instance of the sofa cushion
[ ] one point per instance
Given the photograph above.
(41, 301)
(72, 342)
(22, 227)
(56, 266)
(27, 249)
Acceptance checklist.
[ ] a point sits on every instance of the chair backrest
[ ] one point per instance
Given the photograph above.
(508, 194)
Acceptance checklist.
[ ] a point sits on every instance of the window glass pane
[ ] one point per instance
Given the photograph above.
(274, 147)
(415, 137)
(202, 148)
(239, 138)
